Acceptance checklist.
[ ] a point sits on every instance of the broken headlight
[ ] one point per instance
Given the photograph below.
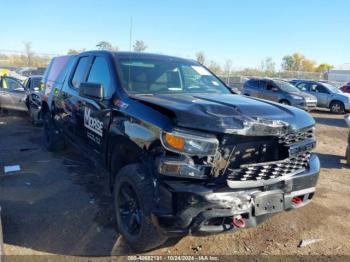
(188, 143)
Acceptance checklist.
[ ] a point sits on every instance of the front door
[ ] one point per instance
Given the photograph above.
(83, 119)
(12, 94)
(321, 93)
(96, 114)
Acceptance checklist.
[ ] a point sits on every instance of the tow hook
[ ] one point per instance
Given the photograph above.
(238, 221)
(297, 200)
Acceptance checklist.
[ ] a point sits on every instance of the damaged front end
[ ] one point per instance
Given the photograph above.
(223, 182)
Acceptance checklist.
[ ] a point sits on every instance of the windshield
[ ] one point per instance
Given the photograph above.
(155, 76)
(332, 88)
(287, 87)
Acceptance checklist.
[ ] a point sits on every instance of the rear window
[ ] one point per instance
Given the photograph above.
(58, 68)
(80, 71)
(253, 83)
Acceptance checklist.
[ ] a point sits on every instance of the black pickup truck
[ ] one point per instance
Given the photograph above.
(184, 154)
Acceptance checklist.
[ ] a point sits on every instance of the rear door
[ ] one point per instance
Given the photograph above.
(12, 94)
(70, 105)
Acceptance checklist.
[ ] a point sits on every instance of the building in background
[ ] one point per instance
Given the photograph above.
(340, 73)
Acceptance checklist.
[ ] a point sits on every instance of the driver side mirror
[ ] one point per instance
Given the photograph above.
(274, 89)
(91, 90)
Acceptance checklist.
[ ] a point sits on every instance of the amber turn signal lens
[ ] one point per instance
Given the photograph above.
(176, 142)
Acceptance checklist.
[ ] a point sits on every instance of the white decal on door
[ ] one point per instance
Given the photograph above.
(92, 123)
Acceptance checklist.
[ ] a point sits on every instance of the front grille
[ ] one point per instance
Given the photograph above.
(311, 104)
(269, 170)
(297, 137)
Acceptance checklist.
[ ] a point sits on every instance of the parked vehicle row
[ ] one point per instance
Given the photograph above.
(328, 96)
(184, 155)
(279, 91)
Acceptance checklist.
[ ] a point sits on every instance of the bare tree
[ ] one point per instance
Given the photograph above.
(73, 51)
(227, 70)
(29, 52)
(201, 58)
(215, 67)
(139, 46)
(268, 66)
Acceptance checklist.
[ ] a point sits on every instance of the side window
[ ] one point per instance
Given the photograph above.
(303, 87)
(313, 87)
(262, 84)
(321, 89)
(26, 83)
(100, 74)
(10, 84)
(253, 83)
(269, 86)
(80, 70)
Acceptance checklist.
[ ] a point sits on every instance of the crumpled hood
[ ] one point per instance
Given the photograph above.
(230, 113)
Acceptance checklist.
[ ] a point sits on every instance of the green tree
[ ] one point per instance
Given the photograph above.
(287, 63)
(139, 46)
(324, 67)
(74, 51)
(104, 45)
(298, 62)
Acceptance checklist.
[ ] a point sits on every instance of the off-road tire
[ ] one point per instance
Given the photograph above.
(54, 140)
(36, 121)
(347, 155)
(148, 236)
(337, 107)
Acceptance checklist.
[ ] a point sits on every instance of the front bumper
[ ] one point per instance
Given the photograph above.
(308, 105)
(185, 207)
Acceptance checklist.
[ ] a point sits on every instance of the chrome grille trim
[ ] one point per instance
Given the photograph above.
(269, 171)
(297, 137)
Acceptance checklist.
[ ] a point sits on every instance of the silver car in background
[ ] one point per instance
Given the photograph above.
(12, 94)
(328, 96)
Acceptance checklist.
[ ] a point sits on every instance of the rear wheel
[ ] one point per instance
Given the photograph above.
(54, 141)
(337, 107)
(133, 200)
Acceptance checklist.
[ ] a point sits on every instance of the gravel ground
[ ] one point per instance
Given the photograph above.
(59, 203)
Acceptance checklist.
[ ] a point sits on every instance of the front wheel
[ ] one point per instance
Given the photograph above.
(348, 155)
(133, 200)
(337, 107)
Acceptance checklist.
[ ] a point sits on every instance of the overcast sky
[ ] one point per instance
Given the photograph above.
(244, 31)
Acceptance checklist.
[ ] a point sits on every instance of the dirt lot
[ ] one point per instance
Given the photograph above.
(60, 204)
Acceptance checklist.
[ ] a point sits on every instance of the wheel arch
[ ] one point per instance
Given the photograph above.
(121, 152)
(335, 100)
(284, 99)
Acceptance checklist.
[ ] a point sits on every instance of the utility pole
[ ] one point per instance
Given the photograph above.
(130, 40)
